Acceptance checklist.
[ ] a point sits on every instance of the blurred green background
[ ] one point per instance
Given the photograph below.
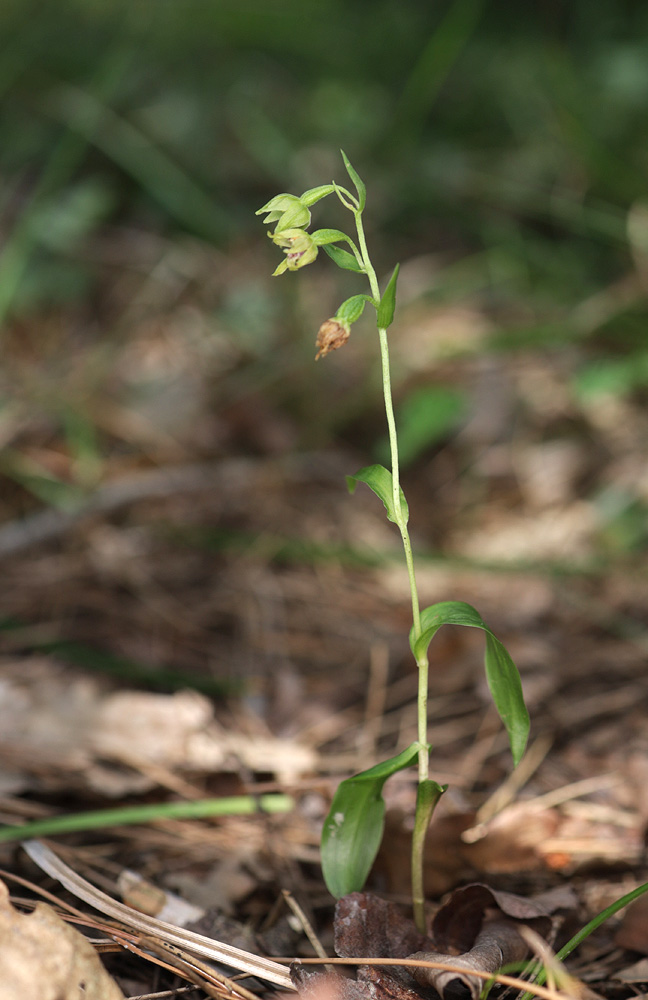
(505, 151)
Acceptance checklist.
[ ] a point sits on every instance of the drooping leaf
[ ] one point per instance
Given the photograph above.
(501, 673)
(354, 826)
(357, 180)
(343, 259)
(388, 302)
(379, 479)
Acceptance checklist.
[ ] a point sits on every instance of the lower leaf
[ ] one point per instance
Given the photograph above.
(354, 826)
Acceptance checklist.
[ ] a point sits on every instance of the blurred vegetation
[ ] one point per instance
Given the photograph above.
(503, 144)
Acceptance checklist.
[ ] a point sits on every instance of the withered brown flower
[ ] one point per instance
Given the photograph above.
(331, 335)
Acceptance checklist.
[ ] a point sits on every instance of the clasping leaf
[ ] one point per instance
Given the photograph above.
(388, 302)
(501, 673)
(380, 480)
(354, 826)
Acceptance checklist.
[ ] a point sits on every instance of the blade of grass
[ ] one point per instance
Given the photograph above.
(236, 805)
(589, 927)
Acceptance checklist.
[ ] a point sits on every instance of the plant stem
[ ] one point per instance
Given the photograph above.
(424, 804)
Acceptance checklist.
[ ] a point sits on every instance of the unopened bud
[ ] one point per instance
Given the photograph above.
(287, 210)
(331, 335)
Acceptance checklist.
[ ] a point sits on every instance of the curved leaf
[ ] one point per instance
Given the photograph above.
(501, 673)
(379, 479)
(343, 259)
(354, 826)
(351, 309)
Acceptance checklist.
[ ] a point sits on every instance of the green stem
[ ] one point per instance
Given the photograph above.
(424, 804)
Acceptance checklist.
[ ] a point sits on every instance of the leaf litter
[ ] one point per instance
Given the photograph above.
(263, 576)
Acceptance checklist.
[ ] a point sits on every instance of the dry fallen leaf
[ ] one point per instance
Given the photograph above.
(478, 930)
(62, 728)
(43, 958)
(497, 945)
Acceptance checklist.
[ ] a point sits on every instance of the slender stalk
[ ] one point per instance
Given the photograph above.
(425, 801)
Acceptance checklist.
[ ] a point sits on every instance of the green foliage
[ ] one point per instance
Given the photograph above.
(380, 481)
(610, 376)
(589, 928)
(501, 673)
(353, 829)
(533, 163)
(357, 181)
(388, 302)
(343, 258)
(325, 236)
(352, 309)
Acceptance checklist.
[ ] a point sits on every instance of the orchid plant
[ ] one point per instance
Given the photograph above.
(353, 829)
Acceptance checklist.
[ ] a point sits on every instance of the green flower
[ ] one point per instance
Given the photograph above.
(287, 210)
(299, 247)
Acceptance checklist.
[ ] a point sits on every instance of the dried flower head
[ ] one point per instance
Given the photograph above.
(331, 335)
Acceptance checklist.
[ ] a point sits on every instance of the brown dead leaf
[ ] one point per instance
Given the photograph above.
(483, 926)
(43, 958)
(458, 922)
(498, 944)
(366, 925)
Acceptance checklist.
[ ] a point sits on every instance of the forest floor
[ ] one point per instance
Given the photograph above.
(230, 621)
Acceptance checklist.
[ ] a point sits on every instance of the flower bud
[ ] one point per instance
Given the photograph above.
(331, 335)
(287, 210)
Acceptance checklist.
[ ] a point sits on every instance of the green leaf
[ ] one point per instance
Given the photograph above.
(343, 259)
(388, 302)
(379, 479)
(357, 180)
(354, 826)
(501, 673)
(322, 236)
(352, 309)
(315, 194)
